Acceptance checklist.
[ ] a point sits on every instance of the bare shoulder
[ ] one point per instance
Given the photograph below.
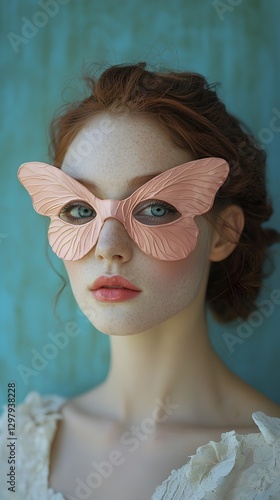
(84, 433)
(263, 403)
(249, 400)
(94, 403)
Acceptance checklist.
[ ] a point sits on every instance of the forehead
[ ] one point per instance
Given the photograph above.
(113, 149)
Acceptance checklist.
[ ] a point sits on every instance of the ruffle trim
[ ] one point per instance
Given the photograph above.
(36, 423)
(236, 468)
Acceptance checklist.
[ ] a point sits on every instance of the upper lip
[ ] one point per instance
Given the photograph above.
(113, 281)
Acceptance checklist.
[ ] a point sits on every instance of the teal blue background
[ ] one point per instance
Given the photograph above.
(238, 47)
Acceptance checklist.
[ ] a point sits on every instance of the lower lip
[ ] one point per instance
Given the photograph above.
(114, 294)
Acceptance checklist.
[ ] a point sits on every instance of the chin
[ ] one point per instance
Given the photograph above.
(123, 325)
(116, 329)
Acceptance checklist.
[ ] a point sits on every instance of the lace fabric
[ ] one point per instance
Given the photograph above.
(36, 423)
(239, 467)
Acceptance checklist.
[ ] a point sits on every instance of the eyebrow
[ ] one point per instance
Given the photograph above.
(133, 183)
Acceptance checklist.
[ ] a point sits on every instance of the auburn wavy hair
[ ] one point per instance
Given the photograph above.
(189, 110)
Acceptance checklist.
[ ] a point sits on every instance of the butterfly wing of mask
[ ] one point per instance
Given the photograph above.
(191, 188)
(51, 189)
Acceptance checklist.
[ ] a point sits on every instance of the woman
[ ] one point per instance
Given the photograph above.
(179, 230)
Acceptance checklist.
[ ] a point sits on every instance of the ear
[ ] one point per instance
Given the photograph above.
(228, 226)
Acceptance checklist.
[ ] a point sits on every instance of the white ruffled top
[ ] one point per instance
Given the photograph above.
(239, 467)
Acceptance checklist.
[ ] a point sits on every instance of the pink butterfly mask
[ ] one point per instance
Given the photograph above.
(77, 216)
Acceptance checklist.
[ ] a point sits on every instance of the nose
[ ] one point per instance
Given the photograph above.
(114, 243)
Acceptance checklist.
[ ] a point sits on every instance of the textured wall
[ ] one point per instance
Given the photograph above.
(44, 45)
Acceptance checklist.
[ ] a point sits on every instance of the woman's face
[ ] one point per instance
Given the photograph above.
(111, 151)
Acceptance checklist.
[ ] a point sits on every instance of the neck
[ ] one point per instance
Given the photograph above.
(172, 366)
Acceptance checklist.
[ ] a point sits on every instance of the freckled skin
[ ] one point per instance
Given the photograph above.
(172, 359)
(134, 146)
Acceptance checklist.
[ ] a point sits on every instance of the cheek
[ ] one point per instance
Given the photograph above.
(75, 271)
(189, 271)
(182, 278)
(169, 287)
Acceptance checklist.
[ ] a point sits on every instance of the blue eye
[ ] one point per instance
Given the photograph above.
(154, 212)
(81, 212)
(77, 213)
(159, 211)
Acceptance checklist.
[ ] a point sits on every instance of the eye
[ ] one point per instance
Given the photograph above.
(77, 212)
(152, 212)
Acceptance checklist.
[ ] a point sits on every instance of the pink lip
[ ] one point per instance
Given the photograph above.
(104, 291)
